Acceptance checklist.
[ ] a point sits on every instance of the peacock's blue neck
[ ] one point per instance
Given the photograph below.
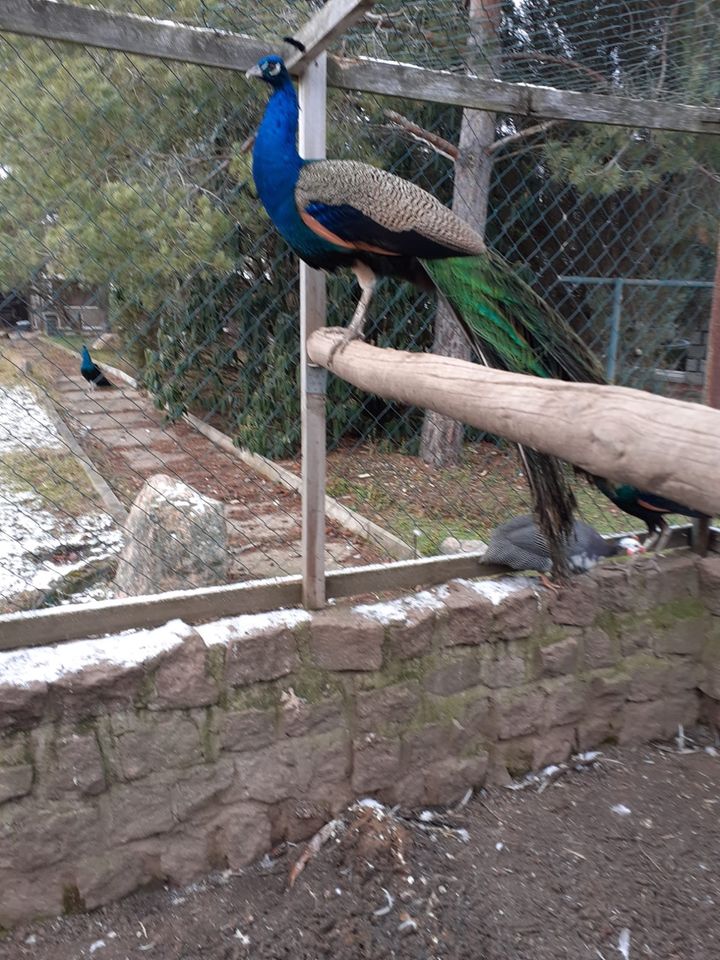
(276, 168)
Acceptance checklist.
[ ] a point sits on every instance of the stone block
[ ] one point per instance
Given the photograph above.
(301, 719)
(148, 744)
(290, 768)
(636, 636)
(565, 702)
(133, 811)
(70, 763)
(195, 790)
(414, 637)
(431, 743)
(478, 717)
(89, 692)
(519, 711)
(376, 763)
(442, 782)
(684, 637)
(183, 680)
(185, 857)
(678, 577)
(616, 589)
(598, 649)
(658, 719)
(709, 574)
(453, 674)
(247, 730)
(576, 603)
(266, 655)
(26, 897)
(239, 834)
(20, 706)
(516, 616)
(15, 781)
(553, 746)
(395, 704)
(469, 617)
(37, 834)
(114, 874)
(342, 640)
(709, 683)
(502, 670)
(559, 658)
(648, 678)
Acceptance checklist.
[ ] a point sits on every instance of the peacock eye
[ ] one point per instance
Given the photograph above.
(273, 69)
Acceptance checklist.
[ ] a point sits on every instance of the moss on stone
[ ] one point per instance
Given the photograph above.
(667, 614)
(261, 696)
(71, 899)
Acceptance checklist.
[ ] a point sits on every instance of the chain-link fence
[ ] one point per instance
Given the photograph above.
(129, 222)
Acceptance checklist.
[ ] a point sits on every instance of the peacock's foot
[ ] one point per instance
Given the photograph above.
(549, 584)
(349, 334)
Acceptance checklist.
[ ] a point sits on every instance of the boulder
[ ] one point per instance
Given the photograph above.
(452, 545)
(176, 539)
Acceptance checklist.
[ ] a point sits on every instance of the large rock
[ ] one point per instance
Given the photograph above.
(176, 539)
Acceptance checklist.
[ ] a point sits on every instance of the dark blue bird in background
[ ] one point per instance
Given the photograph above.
(92, 372)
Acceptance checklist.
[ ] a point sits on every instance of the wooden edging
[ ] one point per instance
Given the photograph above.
(61, 624)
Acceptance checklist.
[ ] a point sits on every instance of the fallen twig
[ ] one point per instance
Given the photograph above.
(313, 848)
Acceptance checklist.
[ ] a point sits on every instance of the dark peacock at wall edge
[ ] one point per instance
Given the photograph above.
(343, 213)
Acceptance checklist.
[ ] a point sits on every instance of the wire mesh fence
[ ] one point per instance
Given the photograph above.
(129, 223)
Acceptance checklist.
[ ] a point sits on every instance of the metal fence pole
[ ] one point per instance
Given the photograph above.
(313, 97)
(614, 342)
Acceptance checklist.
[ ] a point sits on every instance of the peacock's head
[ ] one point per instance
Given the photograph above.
(271, 69)
(85, 353)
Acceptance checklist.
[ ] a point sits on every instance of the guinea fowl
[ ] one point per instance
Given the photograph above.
(342, 213)
(92, 372)
(520, 544)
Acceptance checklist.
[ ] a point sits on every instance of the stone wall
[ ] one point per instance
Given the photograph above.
(162, 754)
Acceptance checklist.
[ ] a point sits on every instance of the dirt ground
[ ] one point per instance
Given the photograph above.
(620, 858)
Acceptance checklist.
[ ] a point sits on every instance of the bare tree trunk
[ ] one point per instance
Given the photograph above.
(441, 441)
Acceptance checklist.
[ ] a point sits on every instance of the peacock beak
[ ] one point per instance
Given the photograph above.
(254, 71)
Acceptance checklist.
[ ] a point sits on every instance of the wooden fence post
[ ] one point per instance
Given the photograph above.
(313, 102)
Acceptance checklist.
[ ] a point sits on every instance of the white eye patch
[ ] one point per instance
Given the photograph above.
(273, 69)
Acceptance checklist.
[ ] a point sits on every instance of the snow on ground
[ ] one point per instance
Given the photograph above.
(38, 547)
(24, 425)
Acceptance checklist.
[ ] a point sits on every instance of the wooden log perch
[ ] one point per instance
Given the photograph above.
(668, 447)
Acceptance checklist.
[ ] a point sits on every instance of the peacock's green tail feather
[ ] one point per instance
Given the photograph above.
(505, 319)
(510, 327)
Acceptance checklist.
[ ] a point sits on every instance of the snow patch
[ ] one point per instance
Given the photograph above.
(20, 668)
(24, 425)
(500, 589)
(236, 628)
(396, 611)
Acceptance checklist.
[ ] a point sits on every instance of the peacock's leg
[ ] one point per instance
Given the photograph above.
(354, 331)
(367, 280)
(663, 537)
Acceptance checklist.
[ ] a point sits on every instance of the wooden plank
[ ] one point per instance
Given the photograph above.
(100, 617)
(669, 447)
(130, 33)
(418, 83)
(312, 93)
(329, 22)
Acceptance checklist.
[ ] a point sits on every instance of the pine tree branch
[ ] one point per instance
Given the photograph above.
(439, 144)
(523, 134)
(536, 55)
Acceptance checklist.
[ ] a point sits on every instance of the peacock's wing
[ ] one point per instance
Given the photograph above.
(361, 207)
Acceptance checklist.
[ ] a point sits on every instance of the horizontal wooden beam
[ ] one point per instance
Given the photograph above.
(230, 51)
(523, 99)
(668, 447)
(130, 33)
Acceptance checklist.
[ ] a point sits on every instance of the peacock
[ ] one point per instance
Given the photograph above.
(520, 545)
(648, 507)
(92, 372)
(343, 213)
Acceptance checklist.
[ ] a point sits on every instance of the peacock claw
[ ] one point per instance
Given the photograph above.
(348, 336)
(548, 584)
